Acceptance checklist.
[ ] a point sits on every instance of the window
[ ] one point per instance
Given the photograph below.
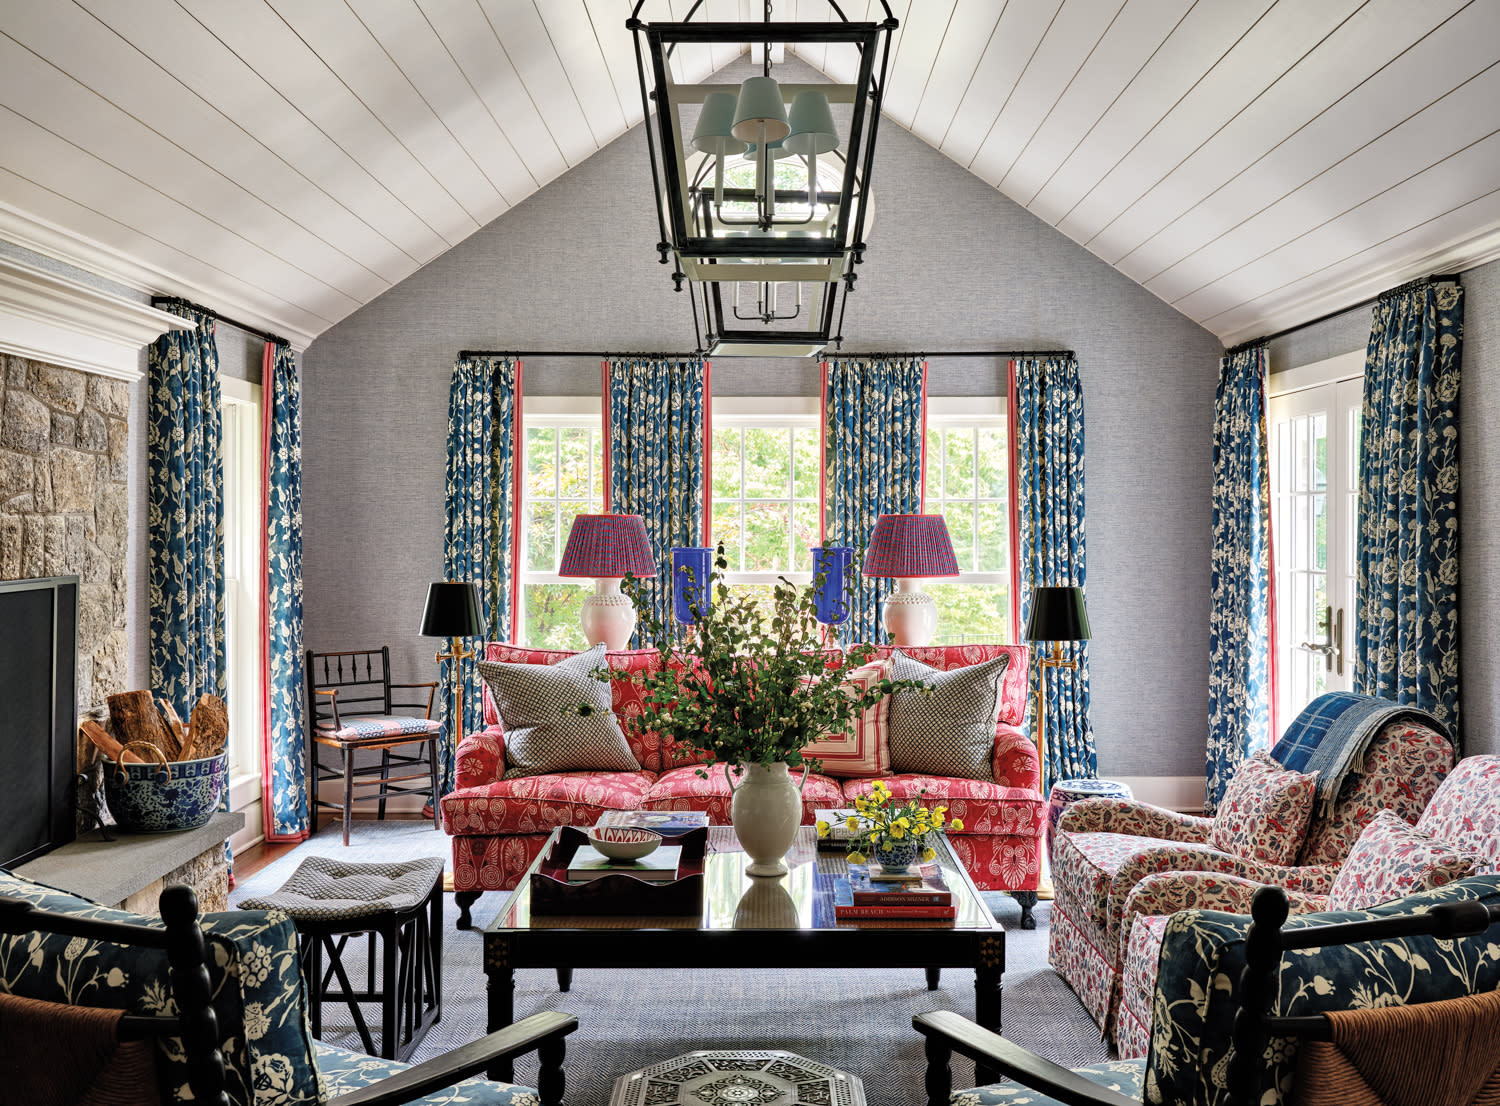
(764, 505)
(563, 478)
(765, 489)
(242, 580)
(968, 483)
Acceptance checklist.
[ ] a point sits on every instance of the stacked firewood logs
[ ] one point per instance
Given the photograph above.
(135, 716)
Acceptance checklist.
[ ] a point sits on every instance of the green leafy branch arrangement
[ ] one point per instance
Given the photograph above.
(747, 688)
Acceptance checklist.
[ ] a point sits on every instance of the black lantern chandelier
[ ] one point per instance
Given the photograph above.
(762, 188)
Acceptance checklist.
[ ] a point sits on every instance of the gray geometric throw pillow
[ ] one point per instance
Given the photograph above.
(545, 731)
(951, 731)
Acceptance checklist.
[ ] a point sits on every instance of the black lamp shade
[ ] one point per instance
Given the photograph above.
(452, 611)
(1057, 614)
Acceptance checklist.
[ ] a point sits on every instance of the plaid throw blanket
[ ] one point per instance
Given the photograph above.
(1334, 731)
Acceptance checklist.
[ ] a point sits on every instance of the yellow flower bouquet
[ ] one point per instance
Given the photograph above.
(890, 834)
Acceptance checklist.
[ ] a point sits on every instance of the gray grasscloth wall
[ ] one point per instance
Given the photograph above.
(1479, 490)
(952, 264)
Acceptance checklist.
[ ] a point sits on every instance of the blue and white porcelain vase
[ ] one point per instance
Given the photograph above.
(897, 858)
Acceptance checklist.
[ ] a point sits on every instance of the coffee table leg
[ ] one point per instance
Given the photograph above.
(564, 979)
(987, 1014)
(933, 976)
(501, 993)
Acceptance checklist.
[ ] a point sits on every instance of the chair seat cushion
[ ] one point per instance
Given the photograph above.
(684, 789)
(345, 1072)
(325, 888)
(1124, 1076)
(538, 804)
(983, 806)
(384, 725)
(1084, 868)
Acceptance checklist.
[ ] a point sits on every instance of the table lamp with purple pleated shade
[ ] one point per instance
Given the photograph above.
(910, 548)
(608, 548)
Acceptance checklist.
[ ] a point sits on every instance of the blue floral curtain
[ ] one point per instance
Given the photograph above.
(1239, 614)
(285, 796)
(874, 419)
(657, 415)
(1048, 409)
(185, 513)
(1407, 638)
(484, 404)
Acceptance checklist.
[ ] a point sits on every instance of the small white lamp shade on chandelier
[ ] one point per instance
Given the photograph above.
(608, 548)
(910, 548)
(712, 135)
(812, 133)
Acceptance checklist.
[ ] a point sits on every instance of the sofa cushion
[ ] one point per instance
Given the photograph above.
(263, 1021)
(1264, 813)
(983, 806)
(625, 695)
(948, 730)
(684, 789)
(536, 804)
(863, 750)
(557, 718)
(1392, 859)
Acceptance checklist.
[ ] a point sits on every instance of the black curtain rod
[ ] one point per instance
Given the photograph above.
(523, 354)
(1420, 282)
(246, 327)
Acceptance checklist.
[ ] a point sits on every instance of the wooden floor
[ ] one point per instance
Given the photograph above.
(256, 857)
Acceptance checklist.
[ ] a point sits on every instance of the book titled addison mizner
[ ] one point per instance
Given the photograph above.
(869, 889)
(660, 867)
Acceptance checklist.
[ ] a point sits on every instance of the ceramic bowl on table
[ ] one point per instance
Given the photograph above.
(161, 796)
(624, 842)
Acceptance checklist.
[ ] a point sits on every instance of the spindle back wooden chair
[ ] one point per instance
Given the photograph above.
(353, 706)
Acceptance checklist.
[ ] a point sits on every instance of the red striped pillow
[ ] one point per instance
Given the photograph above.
(864, 750)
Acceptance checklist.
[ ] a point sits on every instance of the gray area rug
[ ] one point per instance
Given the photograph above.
(857, 1021)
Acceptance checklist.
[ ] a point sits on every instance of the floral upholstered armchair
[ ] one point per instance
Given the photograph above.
(1105, 847)
(1198, 1055)
(1457, 835)
(242, 967)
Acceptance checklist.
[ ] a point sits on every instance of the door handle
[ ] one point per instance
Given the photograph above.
(1332, 647)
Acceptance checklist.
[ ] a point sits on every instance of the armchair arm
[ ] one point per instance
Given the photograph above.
(1135, 818)
(431, 695)
(1014, 759)
(544, 1032)
(332, 694)
(947, 1032)
(1169, 892)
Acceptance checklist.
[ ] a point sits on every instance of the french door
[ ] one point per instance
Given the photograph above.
(1314, 456)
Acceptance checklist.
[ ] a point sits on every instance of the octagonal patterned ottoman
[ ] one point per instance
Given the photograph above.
(738, 1078)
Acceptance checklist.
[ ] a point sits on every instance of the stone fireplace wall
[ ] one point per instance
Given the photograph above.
(64, 507)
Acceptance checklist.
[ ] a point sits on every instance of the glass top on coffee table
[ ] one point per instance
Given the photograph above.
(801, 899)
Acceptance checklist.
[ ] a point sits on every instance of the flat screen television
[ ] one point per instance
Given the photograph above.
(39, 718)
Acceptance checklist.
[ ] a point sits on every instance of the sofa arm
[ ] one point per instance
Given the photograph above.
(1136, 819)
(1015, 761)
(480, 758)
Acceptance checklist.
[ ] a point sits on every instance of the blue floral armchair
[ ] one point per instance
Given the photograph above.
(257, 998)
(1199, 991)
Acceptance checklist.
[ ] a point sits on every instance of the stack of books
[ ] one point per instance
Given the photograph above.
(589, 863)
(921, 893)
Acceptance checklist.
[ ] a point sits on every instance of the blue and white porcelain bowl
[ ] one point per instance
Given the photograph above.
(165, 796)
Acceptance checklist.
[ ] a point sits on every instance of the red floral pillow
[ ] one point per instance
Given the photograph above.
(1264, 813)
(1392, 859)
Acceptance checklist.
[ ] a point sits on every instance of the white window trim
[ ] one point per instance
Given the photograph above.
(1331, 370)
(245, 787)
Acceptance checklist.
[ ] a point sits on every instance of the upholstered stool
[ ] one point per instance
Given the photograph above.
(398, 905)
(1067, 792)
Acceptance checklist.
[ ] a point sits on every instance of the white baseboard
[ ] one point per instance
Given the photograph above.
(1184, 793)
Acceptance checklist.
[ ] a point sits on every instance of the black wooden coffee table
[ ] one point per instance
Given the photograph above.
(750, 923)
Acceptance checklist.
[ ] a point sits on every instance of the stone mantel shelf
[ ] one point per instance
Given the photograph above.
(47, 317)
(111, 872)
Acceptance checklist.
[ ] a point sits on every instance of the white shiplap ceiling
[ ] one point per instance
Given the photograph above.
(1255, 163)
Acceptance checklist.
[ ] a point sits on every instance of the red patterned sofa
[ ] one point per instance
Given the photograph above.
(499, 825)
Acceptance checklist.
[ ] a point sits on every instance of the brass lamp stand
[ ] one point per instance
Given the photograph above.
(1057, 615)
(453, 612)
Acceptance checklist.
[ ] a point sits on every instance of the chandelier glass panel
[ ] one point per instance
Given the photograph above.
(763, 187)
